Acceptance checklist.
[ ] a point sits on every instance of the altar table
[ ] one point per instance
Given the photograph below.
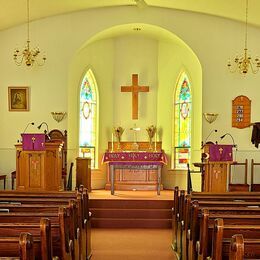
(135, 161)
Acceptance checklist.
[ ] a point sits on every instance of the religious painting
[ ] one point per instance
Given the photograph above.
(18, 98)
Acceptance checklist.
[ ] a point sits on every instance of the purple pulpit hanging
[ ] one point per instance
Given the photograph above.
(33, 142)
(220, 152)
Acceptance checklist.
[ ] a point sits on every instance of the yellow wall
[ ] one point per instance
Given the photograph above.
(54, 86)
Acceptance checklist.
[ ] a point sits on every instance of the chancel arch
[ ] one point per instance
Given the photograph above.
(157, 56)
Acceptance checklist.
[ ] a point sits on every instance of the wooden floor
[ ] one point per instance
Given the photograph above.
(133, 195)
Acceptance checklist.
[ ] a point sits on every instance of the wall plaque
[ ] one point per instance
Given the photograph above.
(241, 112)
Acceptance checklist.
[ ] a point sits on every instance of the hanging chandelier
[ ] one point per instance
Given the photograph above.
(244, 63)
(28, 55)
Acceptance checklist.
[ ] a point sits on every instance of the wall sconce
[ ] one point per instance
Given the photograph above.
(58, 116)
(210, 117)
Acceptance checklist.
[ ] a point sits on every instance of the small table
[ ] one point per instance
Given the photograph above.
(135, 160)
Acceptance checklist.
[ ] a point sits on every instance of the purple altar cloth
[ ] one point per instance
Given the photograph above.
(33, 142)
(219, 152)
(134, 158)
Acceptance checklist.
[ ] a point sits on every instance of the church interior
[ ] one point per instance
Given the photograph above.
(151, 105)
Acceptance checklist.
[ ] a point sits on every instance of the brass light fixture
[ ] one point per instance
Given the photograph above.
(210, 117)
(140, 3)
(58, 116)
(244, 63)
(28, 55)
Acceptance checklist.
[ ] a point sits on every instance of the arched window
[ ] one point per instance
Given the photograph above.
(182, 122)
(88, 131)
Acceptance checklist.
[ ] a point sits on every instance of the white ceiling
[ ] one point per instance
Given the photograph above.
(13, 12)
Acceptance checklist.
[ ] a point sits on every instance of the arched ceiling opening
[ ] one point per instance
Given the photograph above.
(13, 12)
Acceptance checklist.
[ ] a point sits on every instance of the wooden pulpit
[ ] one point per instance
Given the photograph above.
(38, 165)
(215, 167)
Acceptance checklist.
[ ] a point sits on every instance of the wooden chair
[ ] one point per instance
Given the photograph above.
(238, 186)
(254, 186)
(3, 177)
(57, 135)
(13, 177)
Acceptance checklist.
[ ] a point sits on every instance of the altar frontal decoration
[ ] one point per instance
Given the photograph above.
(135, 157)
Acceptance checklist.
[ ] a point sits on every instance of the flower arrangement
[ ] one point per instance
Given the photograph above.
(118, 131)
(151, 130)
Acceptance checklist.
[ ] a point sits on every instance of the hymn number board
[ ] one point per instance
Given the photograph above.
(241, 112)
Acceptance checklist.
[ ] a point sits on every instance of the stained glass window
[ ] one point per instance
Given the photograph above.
(182, 122)
(88, 117)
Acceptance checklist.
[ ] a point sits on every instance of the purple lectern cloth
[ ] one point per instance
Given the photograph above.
(33, 142)
(135, 158)
(219, 152)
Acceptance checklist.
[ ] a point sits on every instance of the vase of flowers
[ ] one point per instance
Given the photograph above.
(118, 131)
(151, 130)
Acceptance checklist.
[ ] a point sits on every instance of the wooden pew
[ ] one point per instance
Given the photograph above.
(182, 215)
(236, 249)
(62, 239)
(56, 198)
(238, 215)
(221, 246)
(20, 247)
(41, 232)
(204, 245)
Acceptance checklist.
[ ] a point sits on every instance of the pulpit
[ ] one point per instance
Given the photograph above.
(215, 167)
(38, 164)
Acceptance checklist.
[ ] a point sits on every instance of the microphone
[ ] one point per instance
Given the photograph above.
(214, 130)
(223, 136)
(47, 134)
(32, 123)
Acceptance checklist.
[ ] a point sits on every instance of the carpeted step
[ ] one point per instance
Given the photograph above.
(131, 213)
(135, 204)
(130, 223)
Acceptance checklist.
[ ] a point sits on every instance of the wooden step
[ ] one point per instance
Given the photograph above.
(130, 223)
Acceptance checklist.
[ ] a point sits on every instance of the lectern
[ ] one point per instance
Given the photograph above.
(38, 164)
(215, 167)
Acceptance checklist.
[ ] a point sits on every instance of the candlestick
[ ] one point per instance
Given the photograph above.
(112, 144)
(155, 143)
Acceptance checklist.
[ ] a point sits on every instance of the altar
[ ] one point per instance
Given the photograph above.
(134, 170)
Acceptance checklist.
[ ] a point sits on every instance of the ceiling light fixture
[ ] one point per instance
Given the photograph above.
(140, 3)
(27, 55)
(244, 62)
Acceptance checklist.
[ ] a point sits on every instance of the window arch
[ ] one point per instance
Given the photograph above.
(88, 118)
(182, 122)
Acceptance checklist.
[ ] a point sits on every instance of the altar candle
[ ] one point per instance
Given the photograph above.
(155, 144)
(112, 144)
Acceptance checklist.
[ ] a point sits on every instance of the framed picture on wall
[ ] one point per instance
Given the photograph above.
(18, 98)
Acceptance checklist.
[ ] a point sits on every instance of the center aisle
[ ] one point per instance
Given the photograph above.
(132, 244)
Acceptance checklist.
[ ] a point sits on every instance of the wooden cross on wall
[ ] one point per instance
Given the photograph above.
(135, 89)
